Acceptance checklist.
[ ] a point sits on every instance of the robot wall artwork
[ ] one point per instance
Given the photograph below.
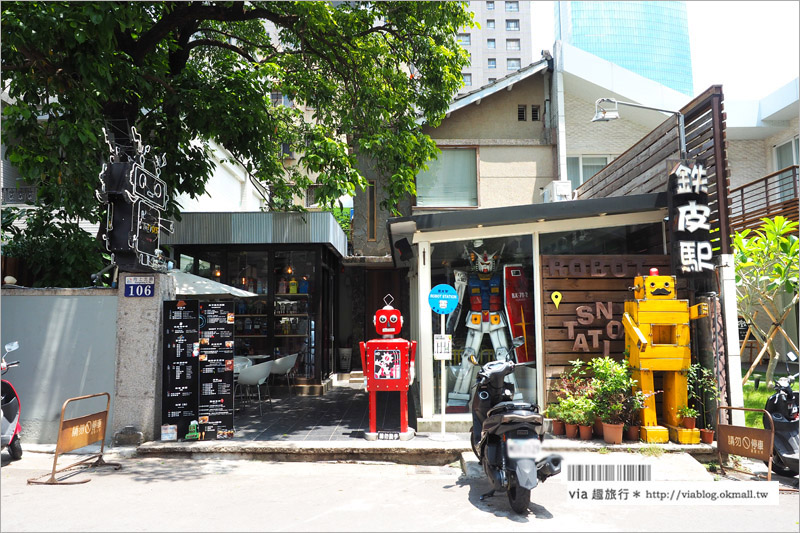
(500, 307)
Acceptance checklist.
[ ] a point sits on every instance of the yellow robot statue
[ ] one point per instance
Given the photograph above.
(657, 340)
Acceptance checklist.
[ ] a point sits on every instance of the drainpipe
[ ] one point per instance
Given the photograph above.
(561, 128)
(548, 124)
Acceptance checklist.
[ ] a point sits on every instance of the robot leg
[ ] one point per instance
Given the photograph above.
(502, 353)
(466, 372)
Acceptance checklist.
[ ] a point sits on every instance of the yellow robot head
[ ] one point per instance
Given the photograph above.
(654, 287)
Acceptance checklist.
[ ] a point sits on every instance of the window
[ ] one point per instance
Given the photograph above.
(467, 79)
(490, 6)
(521, 113)
(513, 63)
(492, 63)
(450, 181)
(512, 25)
(786, 155)
(372, 212)
(311, 198)
(490, 24)
(581, 168)
(535, 113)
(464, 39)
(512, 6)
(512, 44)
(490, 43)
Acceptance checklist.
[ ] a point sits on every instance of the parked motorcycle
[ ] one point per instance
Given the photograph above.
(507, 436)
(11, 427)
(783, 406)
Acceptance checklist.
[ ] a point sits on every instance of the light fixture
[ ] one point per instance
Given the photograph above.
(601, 114)
(217, 273)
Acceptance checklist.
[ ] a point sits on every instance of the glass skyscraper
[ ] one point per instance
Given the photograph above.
(648, 38)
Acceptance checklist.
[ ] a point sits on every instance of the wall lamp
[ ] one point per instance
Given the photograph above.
(604, 114)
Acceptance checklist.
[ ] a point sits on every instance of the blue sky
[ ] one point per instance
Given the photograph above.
(752, 48)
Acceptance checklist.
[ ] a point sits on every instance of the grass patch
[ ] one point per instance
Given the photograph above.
(756, 399)
(603, 450)
(652, 450)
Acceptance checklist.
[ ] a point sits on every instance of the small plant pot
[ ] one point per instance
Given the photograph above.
(598, 427)
(571, 430)
(585, 432)
(632, 433)
(688, 422)
(707, 436)
(558, 427)
(612, 433)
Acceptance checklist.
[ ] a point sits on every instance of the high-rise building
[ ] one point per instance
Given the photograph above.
(501, 45)
(648, 38)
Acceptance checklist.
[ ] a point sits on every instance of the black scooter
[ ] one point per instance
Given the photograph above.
(11, 427)
(506, 437)
(783, 406)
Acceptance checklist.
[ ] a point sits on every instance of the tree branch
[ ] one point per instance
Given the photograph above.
(219, 44)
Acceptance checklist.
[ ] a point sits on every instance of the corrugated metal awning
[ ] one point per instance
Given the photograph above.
(318, 227)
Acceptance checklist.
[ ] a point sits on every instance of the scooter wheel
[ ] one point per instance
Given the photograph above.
(15, 449)
(518, 497)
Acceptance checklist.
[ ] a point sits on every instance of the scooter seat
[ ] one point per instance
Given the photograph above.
(522, 408)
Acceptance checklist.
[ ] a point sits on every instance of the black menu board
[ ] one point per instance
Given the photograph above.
(181, 351)
(215, 371)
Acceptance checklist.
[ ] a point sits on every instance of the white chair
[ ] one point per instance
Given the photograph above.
(256, 375)
(285, 367)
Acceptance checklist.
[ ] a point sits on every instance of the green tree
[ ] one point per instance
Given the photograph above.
(188, 73)
(766, 262)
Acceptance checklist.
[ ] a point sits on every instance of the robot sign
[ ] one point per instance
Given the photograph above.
(443, 299)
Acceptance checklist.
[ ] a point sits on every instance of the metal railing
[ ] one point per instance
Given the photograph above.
(767, 197)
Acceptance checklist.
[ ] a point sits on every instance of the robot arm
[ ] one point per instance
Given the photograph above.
(460, 282)
(412, 351)
(634, 332)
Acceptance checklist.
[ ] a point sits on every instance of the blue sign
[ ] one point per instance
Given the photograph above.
(443, 299)
(140, 286)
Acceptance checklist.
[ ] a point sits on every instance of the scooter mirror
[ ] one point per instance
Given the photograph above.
(791, 356)
(518, 341)
(11, 346)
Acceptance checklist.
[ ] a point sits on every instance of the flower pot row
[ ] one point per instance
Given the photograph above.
(610, 433)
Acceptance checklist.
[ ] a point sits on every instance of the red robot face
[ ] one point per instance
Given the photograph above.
(388, 321)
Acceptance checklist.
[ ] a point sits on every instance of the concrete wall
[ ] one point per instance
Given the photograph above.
(67, 341)
(585, 137)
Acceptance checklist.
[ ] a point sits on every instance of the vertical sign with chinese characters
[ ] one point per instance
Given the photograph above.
(215, 398)
(181, 351)
(689, 219)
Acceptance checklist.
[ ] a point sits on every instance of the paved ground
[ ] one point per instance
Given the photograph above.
(219, 494)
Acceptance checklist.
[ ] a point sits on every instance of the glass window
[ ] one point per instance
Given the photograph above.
(512, 6)
(622, 240)
(521, 113)
(513, 63)
(490, 24)
(467, 79)
(535, 113)
(490, 6)
(512, 25)
(505, 291)
(492, 62)
(785, 156)
(491, 44)
(450, 181)
(464, 39)
(512, 44)
(581, 168)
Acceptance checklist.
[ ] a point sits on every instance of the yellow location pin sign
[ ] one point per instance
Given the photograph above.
(556, 297)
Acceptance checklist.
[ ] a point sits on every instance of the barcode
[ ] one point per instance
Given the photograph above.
(609, 472)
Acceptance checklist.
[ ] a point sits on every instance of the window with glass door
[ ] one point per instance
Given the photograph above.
(512, 44)
(786, 156)
(512, 25)
(451, 180)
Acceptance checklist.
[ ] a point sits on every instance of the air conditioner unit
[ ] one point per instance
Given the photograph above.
(557, 191)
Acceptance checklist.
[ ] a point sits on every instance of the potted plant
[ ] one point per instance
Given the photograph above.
(612, 385)
(702, 386)
(631, 407)
(553, 412)
(574, 382)
(688, 416)
(577, 411)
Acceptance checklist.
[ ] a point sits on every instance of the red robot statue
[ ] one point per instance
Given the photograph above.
(388, 364)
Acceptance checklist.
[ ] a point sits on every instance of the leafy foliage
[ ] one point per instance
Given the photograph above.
(59, 253)
(613, 386)
(702, 386)
(577, 410)
(766, 262)
(189, 73)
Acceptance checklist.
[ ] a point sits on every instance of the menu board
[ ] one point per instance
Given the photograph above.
(181, 353)
(215, 371)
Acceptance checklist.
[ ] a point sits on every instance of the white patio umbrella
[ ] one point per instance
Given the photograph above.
(187, 284)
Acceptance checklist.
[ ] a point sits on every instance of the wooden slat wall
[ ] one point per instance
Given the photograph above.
(768, 197)
(584, 285)
(643, 168)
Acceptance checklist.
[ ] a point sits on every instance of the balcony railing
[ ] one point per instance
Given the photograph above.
(768, 197)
